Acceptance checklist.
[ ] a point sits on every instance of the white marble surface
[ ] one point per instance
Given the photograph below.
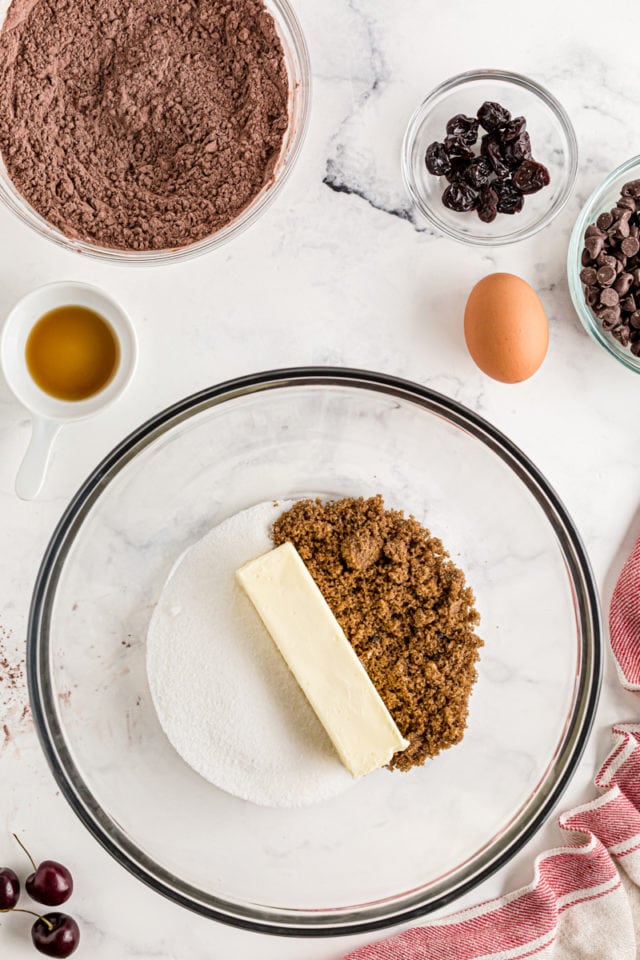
(341, 276)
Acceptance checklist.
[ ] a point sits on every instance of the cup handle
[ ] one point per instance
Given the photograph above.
(36, 460)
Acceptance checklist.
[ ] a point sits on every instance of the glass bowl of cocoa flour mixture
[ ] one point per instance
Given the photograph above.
(152, 136)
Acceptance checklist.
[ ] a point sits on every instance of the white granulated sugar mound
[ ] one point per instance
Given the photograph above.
(223, 693)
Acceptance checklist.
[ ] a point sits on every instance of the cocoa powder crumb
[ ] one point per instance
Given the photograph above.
(403, 605)
(14, 709)
(143, 125)
(11, 671)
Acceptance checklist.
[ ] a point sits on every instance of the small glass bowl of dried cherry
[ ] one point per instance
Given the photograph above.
(603, 264)
(468, 143)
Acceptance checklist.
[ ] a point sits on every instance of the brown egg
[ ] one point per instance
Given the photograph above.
(506, 328)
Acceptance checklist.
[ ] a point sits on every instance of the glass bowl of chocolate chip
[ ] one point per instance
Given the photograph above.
(157, 136)
(489, 157)
(604, 264)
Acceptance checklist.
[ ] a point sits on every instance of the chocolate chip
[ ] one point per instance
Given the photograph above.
(604, 221)
(628, 304)
(609, 297)
(622, 229)
(609, 317)
(612, 250)
(606, 275)
(621, 333)
(630, 246)
(592, 295)
(594, 245)
(622, 284)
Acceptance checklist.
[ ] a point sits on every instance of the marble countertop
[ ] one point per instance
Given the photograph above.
(336, 273)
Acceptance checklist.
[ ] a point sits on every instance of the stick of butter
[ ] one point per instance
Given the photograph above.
(321, 659)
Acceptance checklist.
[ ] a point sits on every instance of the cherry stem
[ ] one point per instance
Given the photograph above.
(21, 844)
(32, 914)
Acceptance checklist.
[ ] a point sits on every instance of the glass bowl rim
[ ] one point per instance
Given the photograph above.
(587, 319)
(300, 107)
(341, 921)
(421, 112)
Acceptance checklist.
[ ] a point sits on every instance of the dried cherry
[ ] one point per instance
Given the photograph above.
(457, 170)
(437, 160)
(498, 179)
(492, 150)
(487, 207)
(510, 200)
(515, 151)
(464, 127)
(460, 196)
(530, 177)
(514, 128)
(457, 149)
(478, 172)
(493, 116)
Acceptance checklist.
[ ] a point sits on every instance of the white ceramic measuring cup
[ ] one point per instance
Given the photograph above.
(48, 413)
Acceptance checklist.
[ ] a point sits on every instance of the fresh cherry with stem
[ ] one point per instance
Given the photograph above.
(55, 935)
(50, 883)
(9, 889)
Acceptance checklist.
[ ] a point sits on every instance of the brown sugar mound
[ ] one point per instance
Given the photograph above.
(403, 605)
(143, 125)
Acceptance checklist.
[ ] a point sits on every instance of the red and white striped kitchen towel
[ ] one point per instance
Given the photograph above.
(584, 901)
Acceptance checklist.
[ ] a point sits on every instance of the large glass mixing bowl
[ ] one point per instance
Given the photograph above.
(394, 846)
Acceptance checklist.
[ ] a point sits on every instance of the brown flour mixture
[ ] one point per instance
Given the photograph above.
(405, 608)
(141, 125)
